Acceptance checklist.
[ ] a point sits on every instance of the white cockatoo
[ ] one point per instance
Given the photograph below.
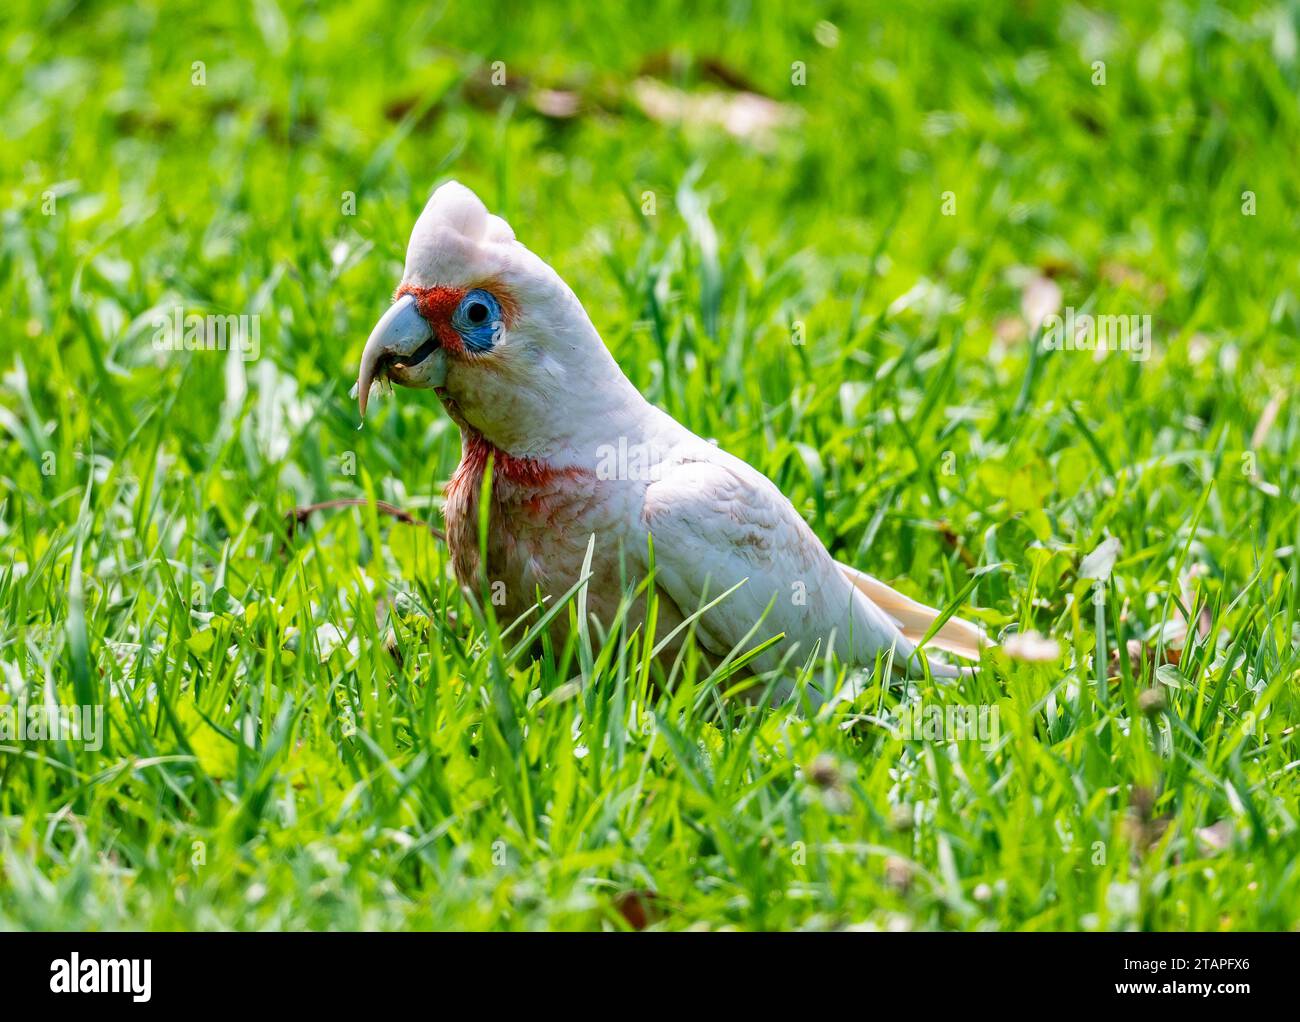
(576, 451)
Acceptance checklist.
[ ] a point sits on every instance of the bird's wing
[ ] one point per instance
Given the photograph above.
(716, 522)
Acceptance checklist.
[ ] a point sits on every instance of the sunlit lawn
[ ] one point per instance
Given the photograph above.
(823, 237)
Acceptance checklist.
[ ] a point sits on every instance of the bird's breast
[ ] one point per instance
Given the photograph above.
(539, 519)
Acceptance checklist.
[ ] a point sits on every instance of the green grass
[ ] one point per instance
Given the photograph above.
(269, 763)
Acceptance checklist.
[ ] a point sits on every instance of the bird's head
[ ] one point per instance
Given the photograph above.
(492, 329)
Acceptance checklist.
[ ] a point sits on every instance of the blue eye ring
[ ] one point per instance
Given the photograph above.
(478, 319)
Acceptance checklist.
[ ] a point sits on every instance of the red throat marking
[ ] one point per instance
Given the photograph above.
(525, 473)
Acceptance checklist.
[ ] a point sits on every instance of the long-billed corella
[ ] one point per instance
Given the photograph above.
(577, 452)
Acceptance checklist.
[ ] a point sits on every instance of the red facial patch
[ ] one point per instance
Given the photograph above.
(436, 305)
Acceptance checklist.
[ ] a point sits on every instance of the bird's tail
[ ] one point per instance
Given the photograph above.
(914, 619)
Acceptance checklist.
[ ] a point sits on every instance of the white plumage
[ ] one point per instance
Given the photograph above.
(519, 366)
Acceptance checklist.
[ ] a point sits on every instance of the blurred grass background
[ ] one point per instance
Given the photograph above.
(797, 292)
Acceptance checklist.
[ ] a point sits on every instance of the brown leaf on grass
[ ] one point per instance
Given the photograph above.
(713, 69)
(718, 71)
(639, 908)
(954, 542)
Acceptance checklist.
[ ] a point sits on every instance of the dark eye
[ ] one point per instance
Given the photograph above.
(478, 319)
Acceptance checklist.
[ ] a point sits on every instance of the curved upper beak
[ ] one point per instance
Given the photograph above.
(403, 348)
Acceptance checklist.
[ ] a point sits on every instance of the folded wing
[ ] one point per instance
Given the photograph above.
(717, 522)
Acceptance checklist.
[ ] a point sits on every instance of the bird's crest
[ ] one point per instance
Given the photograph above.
(456, 207)
(457, 241)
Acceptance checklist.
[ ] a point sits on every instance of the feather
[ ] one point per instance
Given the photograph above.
(914, 619)
(546, 405)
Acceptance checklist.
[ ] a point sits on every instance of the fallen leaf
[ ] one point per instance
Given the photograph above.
(744, 115)
(676, 65)
(639, 908)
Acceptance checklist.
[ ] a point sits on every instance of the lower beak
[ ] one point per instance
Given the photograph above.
(403, 348)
